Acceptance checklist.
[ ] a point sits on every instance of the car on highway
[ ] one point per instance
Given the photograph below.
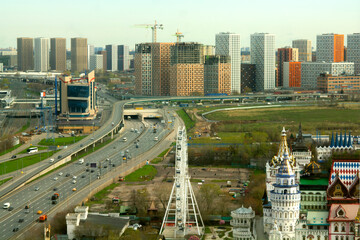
(59, 157)
(6, 205)
(55, 178)
(74, 177)
(15, 229)
(87, 170)
(156, 138)
(13, 156)
(67, 175)
(21, 220)
(74, 189)
(37, 188)
(105, 166)
(39, 212)
(60, 173)
(52, 160)
(92, 170)
(10, 208)
(87, 164)
(124, 139)
(83, 176)
(73, 181)
(55, 189)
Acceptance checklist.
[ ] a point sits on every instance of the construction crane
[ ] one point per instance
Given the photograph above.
(178, 35)
(153, 28)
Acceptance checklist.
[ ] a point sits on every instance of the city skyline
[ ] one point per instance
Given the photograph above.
(110, 27)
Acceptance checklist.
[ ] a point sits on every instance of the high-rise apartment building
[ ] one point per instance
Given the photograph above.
(152, 69)
(310, 71)
(96, 62)
(112, 57)
(263, 56)
(25, 54)
(58, 54)
(286, 54)
(103, 53)
(41, 54)
(353, 50)
(79, 52)
(217, 74)
(330, 47)
(143, 69)
(161, 68)
(228, 44)
(247, 77)
(91, 51)
(123, 58)
(292, 74)
(187, 69)
(305, 49)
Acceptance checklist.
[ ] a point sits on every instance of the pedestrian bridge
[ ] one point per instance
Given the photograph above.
(143, 113)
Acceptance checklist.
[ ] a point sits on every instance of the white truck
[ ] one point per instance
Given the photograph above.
(81, 161)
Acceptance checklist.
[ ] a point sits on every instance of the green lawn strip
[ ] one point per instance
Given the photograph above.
(24, 127)
(163, 153)
(39, 148)
(99, 197)
(189, 123)
(11, 149)
(146, 173)
(218, 181)
(14, 165)
(156, 160)
(90, 150)
(195, 180)
(233, 137)
(61, 141)
(5, 180)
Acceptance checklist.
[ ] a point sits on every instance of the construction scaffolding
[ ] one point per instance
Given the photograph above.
(182, 217)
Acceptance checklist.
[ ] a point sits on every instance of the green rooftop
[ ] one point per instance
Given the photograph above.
(320, 181)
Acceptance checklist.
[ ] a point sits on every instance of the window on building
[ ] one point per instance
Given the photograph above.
(336, 228)
(343, 228)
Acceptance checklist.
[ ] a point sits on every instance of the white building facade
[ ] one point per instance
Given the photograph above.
(112, 57)
(285, 200)
(41, 54)
(353, 50)
(123, 58)
(310, 71)
(305, 50)
(91, 51)
(262, 54)
(243, 223)
(228, 44)
(96, 62)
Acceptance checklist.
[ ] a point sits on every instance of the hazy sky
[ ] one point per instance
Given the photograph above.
(112, 21)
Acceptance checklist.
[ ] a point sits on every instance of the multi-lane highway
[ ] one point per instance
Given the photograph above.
(108, 159)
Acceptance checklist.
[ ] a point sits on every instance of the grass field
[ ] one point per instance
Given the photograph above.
(14, 165)
(5, 180)
(325, 119)
(146, 173)
(234, 137)
(61, 141)
(189, 123)
(10, 149)
(102, 194)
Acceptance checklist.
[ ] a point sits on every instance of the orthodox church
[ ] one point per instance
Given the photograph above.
(282, 201)
(300, 151)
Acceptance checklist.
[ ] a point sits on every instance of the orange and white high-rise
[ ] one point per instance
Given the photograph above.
(330, 47)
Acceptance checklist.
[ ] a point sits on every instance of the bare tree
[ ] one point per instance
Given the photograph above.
(162, 194)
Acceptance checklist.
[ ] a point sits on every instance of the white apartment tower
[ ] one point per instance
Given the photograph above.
(41, 55)
(305, 51)
(112, 57)
(228, 44)
(353, 50)
(91, 51)
(96, 62)
(123, 58)
(262, 54)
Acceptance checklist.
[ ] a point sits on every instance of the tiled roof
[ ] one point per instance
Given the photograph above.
(351, 211)
(347, 170)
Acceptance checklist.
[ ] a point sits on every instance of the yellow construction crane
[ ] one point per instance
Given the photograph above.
(153, 28)
(178, 35)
